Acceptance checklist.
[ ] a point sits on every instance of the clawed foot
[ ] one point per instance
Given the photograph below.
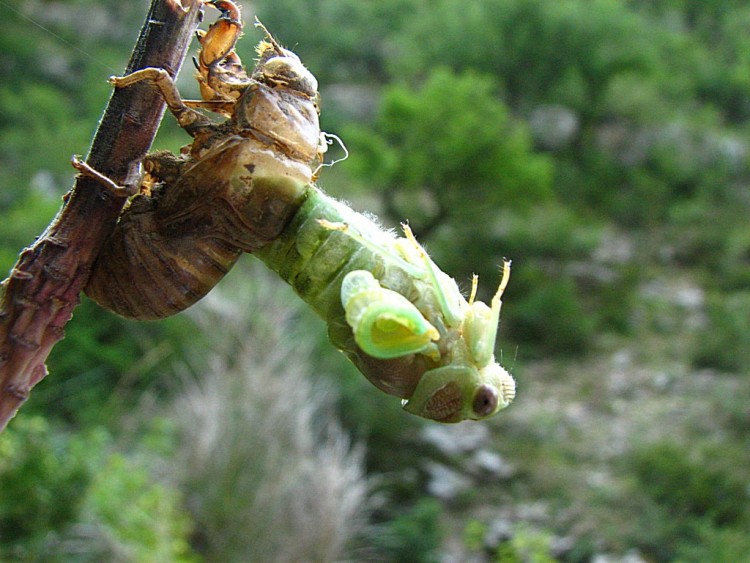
(129, 188)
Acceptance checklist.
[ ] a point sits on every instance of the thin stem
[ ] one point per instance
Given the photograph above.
(37, 299)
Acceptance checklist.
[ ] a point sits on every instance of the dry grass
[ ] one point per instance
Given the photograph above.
(269, 474)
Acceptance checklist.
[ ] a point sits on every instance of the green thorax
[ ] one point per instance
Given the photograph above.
(314, 260)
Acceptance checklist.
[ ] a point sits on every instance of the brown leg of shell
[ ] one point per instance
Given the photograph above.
(131, 182)
(188, 118)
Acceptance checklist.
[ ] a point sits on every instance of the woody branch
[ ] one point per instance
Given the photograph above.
(38, 297)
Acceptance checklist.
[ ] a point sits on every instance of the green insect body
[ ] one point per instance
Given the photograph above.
(245, 185)
(399, 319)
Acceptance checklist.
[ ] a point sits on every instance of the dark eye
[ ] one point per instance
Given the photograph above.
(485, 401)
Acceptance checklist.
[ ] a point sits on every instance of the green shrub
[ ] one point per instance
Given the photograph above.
(75, 498)
(448, 153)
(474, 533)
(551, 315)
(733, 271)
(715, 543)
(682, 491)
(725, 342)
(106, 362)
(339, 40)
(685, 485)
(135, 516)
(42, 487)
(566, 52)
(414, 536)
(528, 545)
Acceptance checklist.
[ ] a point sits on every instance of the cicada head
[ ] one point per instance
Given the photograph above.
(462, 392)
(470, 384)
(425, 343)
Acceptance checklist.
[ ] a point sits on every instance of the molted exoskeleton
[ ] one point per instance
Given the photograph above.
(234, 191)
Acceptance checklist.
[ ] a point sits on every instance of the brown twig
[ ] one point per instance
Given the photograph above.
(38, 298)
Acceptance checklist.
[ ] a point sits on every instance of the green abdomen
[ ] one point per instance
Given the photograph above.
(314, 259)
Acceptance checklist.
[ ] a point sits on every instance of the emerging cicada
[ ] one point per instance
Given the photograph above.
(246, 185)
(389, 308)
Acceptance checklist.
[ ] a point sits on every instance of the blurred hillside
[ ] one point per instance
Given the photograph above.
(601, 145)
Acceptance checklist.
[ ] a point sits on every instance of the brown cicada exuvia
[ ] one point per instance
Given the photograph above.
(234, 188)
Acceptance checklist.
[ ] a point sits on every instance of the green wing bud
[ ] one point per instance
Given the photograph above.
(385, 323)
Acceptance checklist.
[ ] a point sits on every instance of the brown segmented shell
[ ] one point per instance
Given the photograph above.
(237, 189)
(170, 248)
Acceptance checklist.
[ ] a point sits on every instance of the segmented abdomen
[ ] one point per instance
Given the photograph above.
(142, 273)
(314, 260)
(170, 248)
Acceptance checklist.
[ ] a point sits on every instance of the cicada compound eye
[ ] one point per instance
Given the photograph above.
(485, 401)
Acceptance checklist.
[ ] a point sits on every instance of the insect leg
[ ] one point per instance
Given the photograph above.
(497, 299)
(219, 41)
(474, 287)
(441, 283)
(385, 323)
(481, 322)
(445, 288)
(189, 119)
(130, 186)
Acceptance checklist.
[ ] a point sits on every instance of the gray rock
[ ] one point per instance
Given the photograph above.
(456, 439)
(499, 530)
(561, 546)
(632, 556)
(486, 463)
(554, 126)
(445, 483)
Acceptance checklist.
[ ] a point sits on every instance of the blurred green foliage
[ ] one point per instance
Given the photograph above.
(725, 341)
(339, 40)
(105, 363)
(42, 492)
(453, 141)
(414, 535)
(599, 144)
(65, 495)
(689, 493)
(527, 544)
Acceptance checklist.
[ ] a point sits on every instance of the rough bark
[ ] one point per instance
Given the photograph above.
(38, 297)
